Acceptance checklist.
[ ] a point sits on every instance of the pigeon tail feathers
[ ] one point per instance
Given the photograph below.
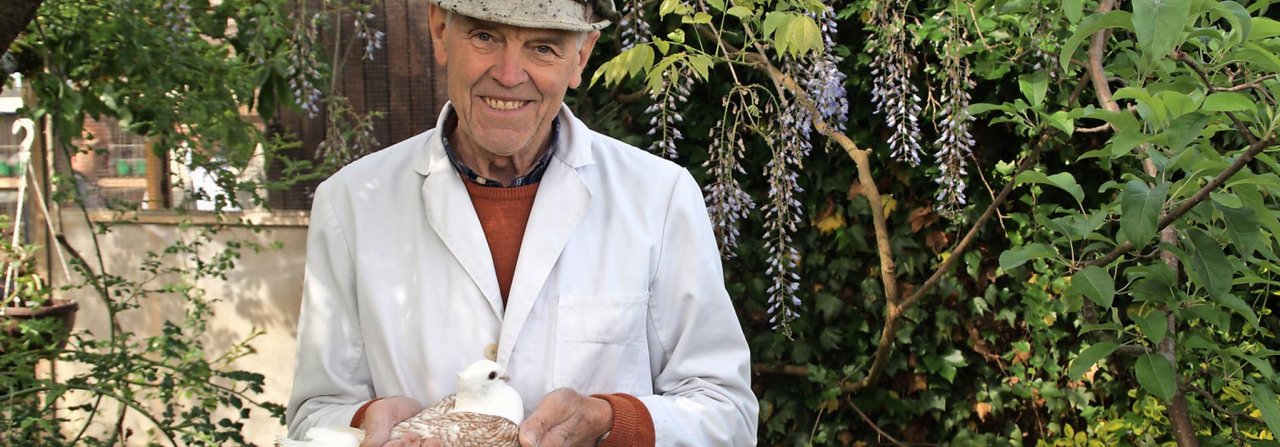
(326, 437)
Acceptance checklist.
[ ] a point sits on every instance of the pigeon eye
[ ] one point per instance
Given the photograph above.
(493, 375)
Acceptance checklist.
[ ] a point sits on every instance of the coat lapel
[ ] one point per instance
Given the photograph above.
(560, 205)
(452, 216)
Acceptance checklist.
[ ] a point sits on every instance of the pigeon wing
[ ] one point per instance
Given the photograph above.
(466, 429)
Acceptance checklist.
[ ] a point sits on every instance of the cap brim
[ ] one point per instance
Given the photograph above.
(476, 11)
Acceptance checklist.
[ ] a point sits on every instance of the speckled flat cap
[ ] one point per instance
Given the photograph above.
(569, 15)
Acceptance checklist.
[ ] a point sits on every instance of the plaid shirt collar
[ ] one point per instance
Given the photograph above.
(534, 175)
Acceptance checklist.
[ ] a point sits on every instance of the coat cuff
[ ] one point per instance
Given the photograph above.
(358, 418)
(632, 424)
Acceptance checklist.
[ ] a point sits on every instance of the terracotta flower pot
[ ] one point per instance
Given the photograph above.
(64, 311)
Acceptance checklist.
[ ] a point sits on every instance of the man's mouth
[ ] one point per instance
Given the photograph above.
(499, 104)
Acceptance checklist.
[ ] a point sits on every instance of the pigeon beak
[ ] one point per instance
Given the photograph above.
(505, 379)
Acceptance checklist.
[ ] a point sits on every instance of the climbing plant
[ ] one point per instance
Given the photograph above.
(988, 222)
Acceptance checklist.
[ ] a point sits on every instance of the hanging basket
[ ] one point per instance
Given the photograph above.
(63, 312)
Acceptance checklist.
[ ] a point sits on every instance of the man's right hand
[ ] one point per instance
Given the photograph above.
(384, 414)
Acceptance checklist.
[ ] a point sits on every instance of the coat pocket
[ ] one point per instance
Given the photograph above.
(601, 343)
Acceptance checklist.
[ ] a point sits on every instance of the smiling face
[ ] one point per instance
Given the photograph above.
(506, 83)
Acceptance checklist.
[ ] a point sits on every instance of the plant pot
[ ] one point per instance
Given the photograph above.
(63, 312)
(122, 168)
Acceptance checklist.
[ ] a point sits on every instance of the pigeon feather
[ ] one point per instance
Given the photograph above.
(485, 412)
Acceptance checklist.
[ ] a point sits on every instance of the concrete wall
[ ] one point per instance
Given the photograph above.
(262, 292)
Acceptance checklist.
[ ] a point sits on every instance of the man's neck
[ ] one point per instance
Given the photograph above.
(502, 168)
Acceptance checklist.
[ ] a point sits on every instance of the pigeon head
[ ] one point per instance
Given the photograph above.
(481, 375)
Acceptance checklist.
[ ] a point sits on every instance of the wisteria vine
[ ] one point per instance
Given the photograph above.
(727, 202)
(954, 143)
(894, 95)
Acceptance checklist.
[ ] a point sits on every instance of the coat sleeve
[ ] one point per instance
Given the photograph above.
(702, 380)
(331, 377)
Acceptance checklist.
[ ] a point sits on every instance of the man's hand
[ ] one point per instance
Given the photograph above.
(384, 414)
(565, 418)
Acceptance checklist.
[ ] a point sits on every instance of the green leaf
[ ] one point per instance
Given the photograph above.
(983, 107)
(1155, 374)
(1209, 264)
(1158, 25)
(676, 36)
(1210, 314)
(1089, 357)
(1237, 16)
(1267, 404)
(1177, 103)
(717, 4)
(1156, 282)
(1121, 121)
(797, 35)
(631, 62)
(1017, 256)
(1063, 121)
(1090, 25)
(739, 11)
(1153, 325)
(1184, 130)
(1257, 56)
(701, 64)
(663, 46)
(1140, 210)
(1147, 104)
(1096, 284)
(1227, 102)
(672, 6)
(772, 21)
(1061, 180)
(1263, 28)
(1242, 225)
(1034, 86)
(1073, 9)
(1124, 142)
(700, 18)
(1230, 301)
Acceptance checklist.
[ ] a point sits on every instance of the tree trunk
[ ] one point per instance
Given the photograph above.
(17, 14)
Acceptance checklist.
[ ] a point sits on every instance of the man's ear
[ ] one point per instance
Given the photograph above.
(436, 18)
(584, 53)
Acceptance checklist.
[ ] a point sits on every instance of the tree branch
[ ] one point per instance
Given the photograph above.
(1208, 83)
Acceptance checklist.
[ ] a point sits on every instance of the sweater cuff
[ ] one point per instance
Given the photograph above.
(632, 423)
(358, 418)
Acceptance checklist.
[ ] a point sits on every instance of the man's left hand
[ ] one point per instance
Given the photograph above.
(565, 418)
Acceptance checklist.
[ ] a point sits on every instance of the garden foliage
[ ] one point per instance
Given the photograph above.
(192, 77)
(1032, 222)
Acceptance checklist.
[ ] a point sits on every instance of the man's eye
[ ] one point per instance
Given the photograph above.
(484, 37)
(544, 49)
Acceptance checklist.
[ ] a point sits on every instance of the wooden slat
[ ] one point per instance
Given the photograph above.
(422, 89)
(400, 80)
(376, 84)
(131, 183)
(157, 179)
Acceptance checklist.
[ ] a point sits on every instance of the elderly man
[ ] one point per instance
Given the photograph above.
(588, 265)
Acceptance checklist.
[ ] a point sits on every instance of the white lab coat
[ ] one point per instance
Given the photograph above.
(618, 288)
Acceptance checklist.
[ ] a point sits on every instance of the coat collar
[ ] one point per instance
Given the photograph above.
(561, 203)
(573, 145)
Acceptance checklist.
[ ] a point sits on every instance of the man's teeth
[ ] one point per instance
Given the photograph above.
(503, 105)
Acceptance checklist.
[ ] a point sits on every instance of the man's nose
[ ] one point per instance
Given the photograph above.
(510, 68)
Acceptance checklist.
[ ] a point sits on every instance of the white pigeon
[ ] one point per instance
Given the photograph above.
(484, 412)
